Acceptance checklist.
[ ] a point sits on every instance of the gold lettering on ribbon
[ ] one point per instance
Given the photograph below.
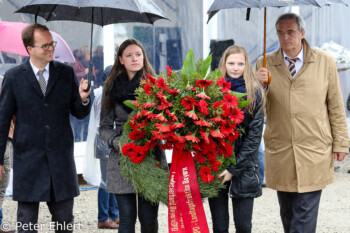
(172, 205)
(189, 199)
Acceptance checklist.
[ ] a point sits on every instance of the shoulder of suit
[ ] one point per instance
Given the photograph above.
(61, 66)
(14, 71)
(322, 54)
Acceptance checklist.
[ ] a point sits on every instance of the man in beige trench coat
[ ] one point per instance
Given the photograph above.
(306, 127)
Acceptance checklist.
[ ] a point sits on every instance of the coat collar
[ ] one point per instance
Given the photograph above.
(30, 76)
(309, 55)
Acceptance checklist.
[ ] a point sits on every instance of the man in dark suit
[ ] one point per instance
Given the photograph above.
(41, 93)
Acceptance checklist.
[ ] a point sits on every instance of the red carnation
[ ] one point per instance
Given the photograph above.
(204, 172)
(203, 83)
(221, 82)
(216, 133)
(215, 165)
(148, 105)
(204, 135)
(129, 149)
(188, 102)
(203, 107)
(226, 87)
(173, 91)
(191, 114)
(164, 127)
(173, 116)
(179, 125)
(201, 122)
(200, 159)
(192, 137)
(238, 115)
(151, 79)
(230, 101)
(202, 95)
(137, 134)
(169, 69)
(161, 84)
(139, 156)
(147, 89)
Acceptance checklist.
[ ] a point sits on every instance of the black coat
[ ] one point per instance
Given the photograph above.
(245, 181)
(43, 138)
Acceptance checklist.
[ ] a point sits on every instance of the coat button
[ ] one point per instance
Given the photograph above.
(295, 143)
(293, 115)
(46, 105)
(47, 127)
(48, 149)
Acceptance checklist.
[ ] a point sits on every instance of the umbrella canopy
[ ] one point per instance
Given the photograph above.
(228, 4)
(101, 12)
(11, 42)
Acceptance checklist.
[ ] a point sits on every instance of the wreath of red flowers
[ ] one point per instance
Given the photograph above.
(186, 110)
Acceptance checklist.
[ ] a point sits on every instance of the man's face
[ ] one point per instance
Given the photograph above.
(37, 54)
(290, 37)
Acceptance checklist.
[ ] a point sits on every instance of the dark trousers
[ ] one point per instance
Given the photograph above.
(242, 213)
(299, 211)
(61, 211)
(129, 209)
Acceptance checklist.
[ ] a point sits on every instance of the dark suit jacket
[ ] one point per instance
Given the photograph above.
(44, 166)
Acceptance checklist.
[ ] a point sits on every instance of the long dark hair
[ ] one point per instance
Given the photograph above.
(119, 68)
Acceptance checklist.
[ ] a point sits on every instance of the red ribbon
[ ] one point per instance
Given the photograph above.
(185, 209)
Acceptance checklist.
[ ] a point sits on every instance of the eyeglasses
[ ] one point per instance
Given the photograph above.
(289, 33)
(46, 47)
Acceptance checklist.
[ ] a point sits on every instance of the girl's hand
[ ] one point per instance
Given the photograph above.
(227, 176)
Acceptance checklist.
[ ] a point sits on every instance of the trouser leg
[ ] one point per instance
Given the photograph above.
(219, 211)
(242, 214)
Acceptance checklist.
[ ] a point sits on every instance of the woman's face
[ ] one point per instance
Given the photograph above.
(235, 65)
(132, 59)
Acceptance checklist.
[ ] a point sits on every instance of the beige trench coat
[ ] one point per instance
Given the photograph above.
(305, 122)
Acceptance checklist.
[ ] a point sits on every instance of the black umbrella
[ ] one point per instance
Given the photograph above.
(101, 12)
(228, 4)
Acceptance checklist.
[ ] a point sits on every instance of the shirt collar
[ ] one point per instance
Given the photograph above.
(35, 69)
(300, 55)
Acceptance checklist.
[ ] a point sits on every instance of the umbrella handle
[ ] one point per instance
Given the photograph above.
(89, 79)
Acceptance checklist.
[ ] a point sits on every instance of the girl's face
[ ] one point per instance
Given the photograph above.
(132, 59)
(235, 65)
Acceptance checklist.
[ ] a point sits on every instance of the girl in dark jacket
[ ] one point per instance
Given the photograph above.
(241, 180)
(129, 68)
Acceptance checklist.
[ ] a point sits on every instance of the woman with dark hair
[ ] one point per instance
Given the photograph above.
(131, 65)
(241, 179)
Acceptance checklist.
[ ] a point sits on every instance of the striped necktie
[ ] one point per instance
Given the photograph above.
(291, 66)
(42, 81)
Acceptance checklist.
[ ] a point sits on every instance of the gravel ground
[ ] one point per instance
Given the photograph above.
(334, 213)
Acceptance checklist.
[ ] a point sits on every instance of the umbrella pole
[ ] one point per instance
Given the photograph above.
(90, 62)
(264, 58)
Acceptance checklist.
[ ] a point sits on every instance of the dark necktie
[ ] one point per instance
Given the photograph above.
(291, 66)
(42, 81)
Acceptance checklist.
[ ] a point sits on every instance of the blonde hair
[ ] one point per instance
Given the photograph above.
(253, 87)
(83, 51)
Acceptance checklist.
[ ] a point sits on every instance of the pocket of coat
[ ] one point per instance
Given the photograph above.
(249, 181)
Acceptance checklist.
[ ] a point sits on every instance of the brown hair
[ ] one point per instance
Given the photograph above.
(252, 85)
(28, 34)
(118, 68)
